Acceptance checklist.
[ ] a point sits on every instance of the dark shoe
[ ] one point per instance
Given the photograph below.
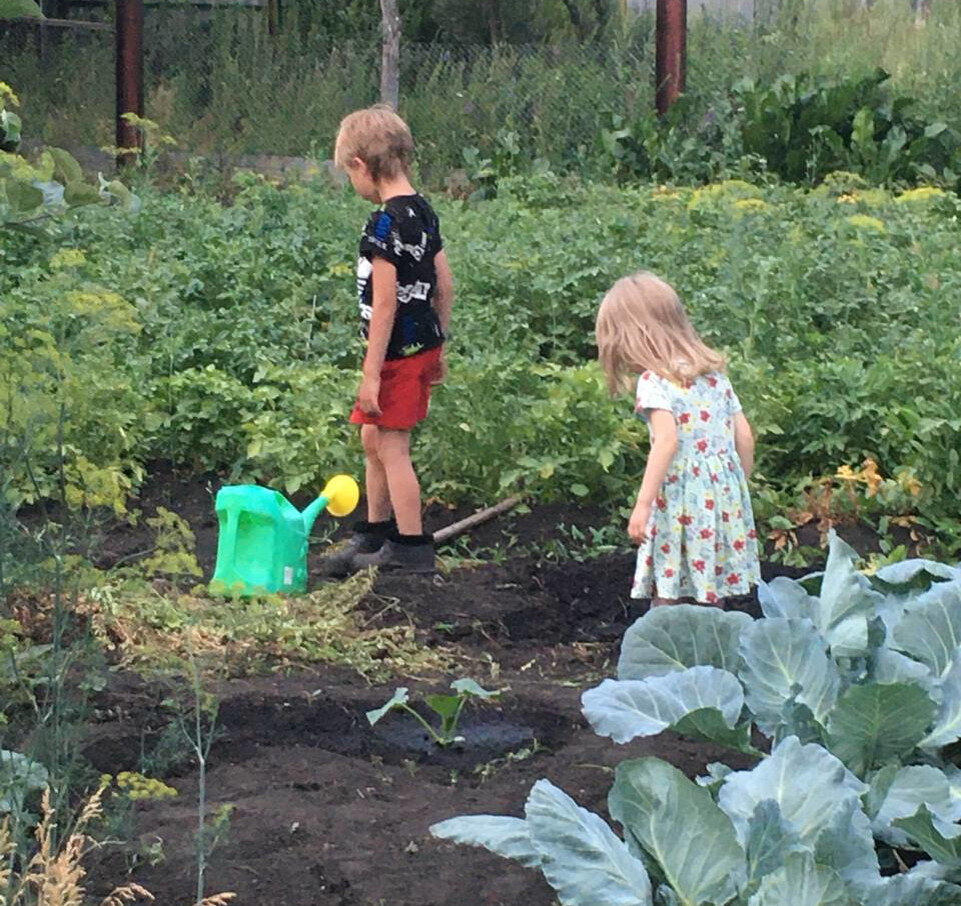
(402, 553)
(368, 538)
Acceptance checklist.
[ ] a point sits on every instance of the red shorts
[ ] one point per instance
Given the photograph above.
(404, 392)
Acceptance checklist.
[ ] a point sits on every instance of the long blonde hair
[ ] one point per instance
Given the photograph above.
(642, 326)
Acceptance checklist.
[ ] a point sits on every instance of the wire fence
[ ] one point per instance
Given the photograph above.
(222, 81)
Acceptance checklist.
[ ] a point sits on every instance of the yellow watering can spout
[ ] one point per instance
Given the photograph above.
(339, 497)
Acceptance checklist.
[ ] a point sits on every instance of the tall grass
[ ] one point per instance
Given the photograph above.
(220, 83)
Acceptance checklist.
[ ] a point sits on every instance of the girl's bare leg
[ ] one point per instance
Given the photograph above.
(663, 602)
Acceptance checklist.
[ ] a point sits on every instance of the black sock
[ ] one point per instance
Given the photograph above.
(385, 527)
(411, 540)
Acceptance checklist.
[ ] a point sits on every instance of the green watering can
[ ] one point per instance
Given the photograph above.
(262, 540)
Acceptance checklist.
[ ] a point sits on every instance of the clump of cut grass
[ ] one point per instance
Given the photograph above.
(149, 629)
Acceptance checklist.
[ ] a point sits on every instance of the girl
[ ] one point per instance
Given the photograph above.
(692, 520)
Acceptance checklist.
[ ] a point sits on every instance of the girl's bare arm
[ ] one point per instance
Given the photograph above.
(744, 442)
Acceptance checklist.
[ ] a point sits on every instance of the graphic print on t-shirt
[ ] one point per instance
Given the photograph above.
(407, 234)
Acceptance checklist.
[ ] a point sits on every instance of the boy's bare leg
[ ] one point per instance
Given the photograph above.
(375, 477)
(394, 453)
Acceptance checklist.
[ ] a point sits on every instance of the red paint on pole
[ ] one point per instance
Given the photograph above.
(671, 63)
(129, 64)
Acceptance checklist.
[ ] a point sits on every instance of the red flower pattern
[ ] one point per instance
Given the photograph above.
(698, 554)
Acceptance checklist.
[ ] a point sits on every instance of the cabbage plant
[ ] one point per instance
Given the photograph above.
(847, 691)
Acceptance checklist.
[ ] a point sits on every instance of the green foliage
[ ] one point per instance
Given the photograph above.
(231, 345)
(13, 9)
(448, 709)
(553, 72)
(804, 128)
(32, 193)
(860, 720)
(19, 777)
(173, 553)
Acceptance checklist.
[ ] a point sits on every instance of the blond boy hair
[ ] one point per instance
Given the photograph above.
(642, 326)
(380, 138)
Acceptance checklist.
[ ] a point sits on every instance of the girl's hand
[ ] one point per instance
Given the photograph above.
(367, 396)
(640, 519)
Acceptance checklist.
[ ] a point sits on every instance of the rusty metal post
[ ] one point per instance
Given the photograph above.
(273, 16)
(129, 68)
(671, 63)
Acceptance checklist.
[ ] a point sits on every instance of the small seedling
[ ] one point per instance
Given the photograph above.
(447, 707)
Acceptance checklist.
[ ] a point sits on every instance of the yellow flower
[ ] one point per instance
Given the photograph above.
(871, 476)
(6, 94)
(664, 193)
(68, 258)
(729, 190)
(921, 194)
(908, 482)
(849, 198)
(865, 222)
(752, 204)
(138, 787)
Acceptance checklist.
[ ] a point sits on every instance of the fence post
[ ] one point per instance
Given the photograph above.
(129, 65)
(390, 55)
(671, 63)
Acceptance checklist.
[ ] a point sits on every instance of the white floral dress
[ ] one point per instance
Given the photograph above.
(702, 543)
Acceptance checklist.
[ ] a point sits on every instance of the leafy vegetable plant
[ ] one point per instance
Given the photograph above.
(447, 707)
(858, 689)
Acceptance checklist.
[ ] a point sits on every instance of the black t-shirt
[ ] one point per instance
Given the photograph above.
(406, 233)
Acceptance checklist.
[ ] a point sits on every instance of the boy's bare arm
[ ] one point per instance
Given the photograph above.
(444, 296)
(378, 334)
(744, 442)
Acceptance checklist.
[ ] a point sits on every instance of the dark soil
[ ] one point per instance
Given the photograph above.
(329, 811)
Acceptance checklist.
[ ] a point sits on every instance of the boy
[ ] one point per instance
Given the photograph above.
(406, 292)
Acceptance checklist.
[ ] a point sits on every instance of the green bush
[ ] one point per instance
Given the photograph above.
(230, 335)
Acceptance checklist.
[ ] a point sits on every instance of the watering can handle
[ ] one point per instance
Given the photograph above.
(230, 537)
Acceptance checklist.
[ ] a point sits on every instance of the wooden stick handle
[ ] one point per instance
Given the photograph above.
(458, 528)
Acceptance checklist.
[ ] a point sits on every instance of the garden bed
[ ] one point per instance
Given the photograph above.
(328, 811)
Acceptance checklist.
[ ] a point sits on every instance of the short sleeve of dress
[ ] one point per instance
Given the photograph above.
(652, 393)
(733, 402)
